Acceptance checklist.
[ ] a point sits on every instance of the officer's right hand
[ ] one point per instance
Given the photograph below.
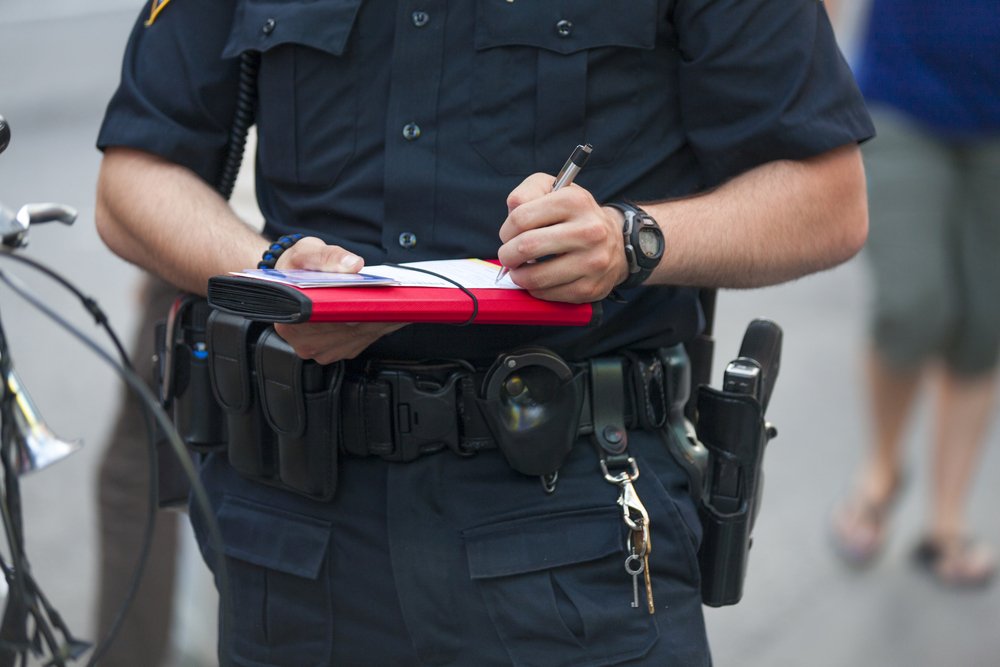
(327, 342)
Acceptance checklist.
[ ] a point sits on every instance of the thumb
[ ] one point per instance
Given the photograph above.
(312, 254)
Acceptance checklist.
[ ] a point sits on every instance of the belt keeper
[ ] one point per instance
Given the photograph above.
(607, 405)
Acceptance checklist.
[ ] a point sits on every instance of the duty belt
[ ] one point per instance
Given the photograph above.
(286, 419)
(400, 411)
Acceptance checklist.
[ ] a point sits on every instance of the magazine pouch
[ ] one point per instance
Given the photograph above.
(300, 400)
(252, 447)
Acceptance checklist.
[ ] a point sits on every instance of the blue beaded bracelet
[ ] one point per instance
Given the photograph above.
(273, 252)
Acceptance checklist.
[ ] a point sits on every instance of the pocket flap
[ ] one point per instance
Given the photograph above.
(543, 542)
(273, 538)
(229, 365)
(579, 26)
(279, 380)
(260, 25)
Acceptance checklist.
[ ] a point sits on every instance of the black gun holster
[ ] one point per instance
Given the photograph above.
(731, 426)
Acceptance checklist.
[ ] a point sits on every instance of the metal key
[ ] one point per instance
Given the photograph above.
(634, 566)
(637, 519)
(649, 584)
(640, 547)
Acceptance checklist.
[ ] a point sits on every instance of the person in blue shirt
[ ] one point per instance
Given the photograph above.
(931, 75)
(394, 131)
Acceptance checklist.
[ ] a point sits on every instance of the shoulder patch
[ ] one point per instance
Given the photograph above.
(155, 7)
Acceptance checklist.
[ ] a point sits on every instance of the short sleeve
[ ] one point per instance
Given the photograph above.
(763, 80)
(177, 94)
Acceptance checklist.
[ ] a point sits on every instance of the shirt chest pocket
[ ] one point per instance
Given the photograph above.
(549, 75)
(307, 105)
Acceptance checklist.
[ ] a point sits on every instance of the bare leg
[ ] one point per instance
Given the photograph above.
(859, 524)
(964, 412)
(891, 395)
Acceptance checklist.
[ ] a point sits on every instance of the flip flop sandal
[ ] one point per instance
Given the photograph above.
(858, 527)
(960, 563)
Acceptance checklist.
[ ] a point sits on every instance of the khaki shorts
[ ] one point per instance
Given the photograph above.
(934, 246)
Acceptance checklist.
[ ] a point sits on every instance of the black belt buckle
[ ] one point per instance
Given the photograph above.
(424, 414)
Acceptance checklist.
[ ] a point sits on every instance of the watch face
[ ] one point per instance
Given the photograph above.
(649, 243)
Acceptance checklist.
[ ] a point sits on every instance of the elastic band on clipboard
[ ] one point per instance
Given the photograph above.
(465, 290)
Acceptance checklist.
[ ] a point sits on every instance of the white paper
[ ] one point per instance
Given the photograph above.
(469, 273)
(303, 278)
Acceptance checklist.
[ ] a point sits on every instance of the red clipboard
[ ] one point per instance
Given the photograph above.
(267, 301)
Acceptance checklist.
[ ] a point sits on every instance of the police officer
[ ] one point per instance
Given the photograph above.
(400, 131)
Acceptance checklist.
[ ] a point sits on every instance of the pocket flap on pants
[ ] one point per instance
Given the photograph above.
(273, 538)
(542, 542)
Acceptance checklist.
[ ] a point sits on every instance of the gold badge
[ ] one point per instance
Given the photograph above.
(155, 7)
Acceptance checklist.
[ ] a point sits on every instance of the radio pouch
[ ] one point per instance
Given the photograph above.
(252, 449)
(201, 429)
(300, 401)
(731, 426)
(181, 375)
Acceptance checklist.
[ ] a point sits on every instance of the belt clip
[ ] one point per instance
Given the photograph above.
(423, 420)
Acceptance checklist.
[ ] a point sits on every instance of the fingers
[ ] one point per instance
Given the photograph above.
(562, 245)
(328, 342)
(571, 278)
(533, 187)
(313, 254)
(533, 229)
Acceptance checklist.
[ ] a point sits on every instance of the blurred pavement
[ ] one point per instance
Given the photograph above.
(60, 64)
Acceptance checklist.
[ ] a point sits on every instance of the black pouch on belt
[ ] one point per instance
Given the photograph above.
(532, 407)
(181, 375)
(300, 400)
(252, 444)
(731, 425)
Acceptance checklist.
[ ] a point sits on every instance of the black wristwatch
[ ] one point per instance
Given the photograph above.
(644, 243)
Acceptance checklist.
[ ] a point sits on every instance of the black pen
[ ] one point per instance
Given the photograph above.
(565, 176)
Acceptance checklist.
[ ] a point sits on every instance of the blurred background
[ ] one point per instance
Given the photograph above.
(59, 64)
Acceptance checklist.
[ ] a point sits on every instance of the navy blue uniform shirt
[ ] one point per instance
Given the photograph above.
(396, 129)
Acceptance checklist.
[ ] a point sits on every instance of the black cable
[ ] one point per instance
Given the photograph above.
(14, 625)
(465, 290)
(100, 318)
(243, 119)
(145, 546)
(138, 385)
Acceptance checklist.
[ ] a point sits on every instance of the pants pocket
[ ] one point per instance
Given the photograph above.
(280, 604)
(557, 591)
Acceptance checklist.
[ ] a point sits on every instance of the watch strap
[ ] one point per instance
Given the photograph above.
(633, 217)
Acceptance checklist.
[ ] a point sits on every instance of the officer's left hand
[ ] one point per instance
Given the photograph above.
(327, 342)
(580, 241)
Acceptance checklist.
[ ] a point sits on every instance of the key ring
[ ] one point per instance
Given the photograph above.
(634, 565)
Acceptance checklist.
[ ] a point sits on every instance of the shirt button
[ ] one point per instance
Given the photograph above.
(564, 28)
(420, 19)
(411, 131)
(268, 26)
(407, 240)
